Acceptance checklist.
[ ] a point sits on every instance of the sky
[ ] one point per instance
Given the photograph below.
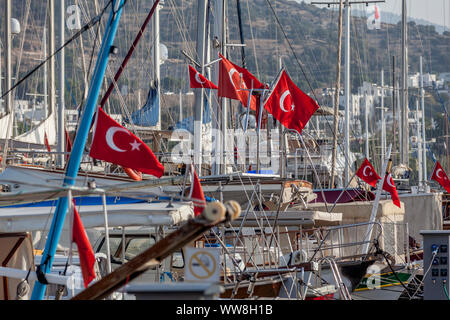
(434, 11)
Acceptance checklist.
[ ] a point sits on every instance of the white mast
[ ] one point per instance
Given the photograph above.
(157, 59)
(199, 93)
(61, 86)
(404, 145)
(347, 91)
(424, 141)
(383, 120)
(52, 87)
(366, 124)
(8, 77)
(419, 145)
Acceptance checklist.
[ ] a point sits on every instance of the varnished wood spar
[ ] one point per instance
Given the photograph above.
(214, 214)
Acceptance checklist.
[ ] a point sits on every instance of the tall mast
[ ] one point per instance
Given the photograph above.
(51, 49)
(157, 60)
(383, 120)
(8, 77)
(347, 91)
(424, 140)
(336, 96)
(199, 93)
(419, 145)
(219, 46)
(61, 85)
(404, 146)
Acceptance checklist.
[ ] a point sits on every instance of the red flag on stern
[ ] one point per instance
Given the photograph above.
(85, 252)
(389, 186)
(114, 143)
(289, 105)
(368, 174)
(198, 196)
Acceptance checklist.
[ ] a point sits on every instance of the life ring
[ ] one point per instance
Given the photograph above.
(133, 174)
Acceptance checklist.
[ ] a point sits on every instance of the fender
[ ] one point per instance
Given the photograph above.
(133, 174)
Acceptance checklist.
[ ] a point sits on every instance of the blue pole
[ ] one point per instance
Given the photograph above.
(77, 150)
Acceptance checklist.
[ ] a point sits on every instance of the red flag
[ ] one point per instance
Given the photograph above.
(46, 142)
(85, 252)
(114, 143)
(199, 81)
(289, 105)
(197, 195)
(389, 186)
(232, 78)
(367, 173)
(440, 176)
(68, 144)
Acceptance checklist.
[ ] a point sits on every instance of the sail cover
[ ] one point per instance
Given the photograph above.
(148, 115)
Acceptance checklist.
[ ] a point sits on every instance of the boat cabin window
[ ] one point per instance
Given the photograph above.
(137, 245)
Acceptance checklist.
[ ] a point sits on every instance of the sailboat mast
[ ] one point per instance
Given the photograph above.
(347, 91)
(424, 141)
(404, 146)
(199, 93)
(8, 79)
(61, 86)
(157, 59)
(51, 49)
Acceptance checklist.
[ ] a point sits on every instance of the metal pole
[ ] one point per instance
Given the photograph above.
(157, 59)
(199, 93)
(8, 77)
(78, 147)
(404, 119)
(336, 97)
(419, 145)
(347, 93)
(373, 214)
(424, 140)
(108, 248)
(61, 85)
(383, 120)
(366, 124)
(51, 69)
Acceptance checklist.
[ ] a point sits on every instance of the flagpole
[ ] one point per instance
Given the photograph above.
(78, 150)
(376, 202)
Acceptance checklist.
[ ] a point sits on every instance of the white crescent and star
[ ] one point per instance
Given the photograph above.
(197, 78)
(110, 139)
(364, 171)
(437, 173)
(283, 96)
(388, 180)
(231, 73)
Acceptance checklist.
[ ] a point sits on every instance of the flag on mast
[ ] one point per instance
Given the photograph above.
(290, 105)
(440, 176)
(373, 21)
(198, 80)
(235, 82)
(367, 173)
(114, 143)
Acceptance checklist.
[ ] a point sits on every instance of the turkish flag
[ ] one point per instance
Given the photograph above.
(198, 197)
(289, 105)
(232, 78)
(85, 252)
(114, 143)
(199, 81)
(440, 176)
(367, 173)
(389, 186)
